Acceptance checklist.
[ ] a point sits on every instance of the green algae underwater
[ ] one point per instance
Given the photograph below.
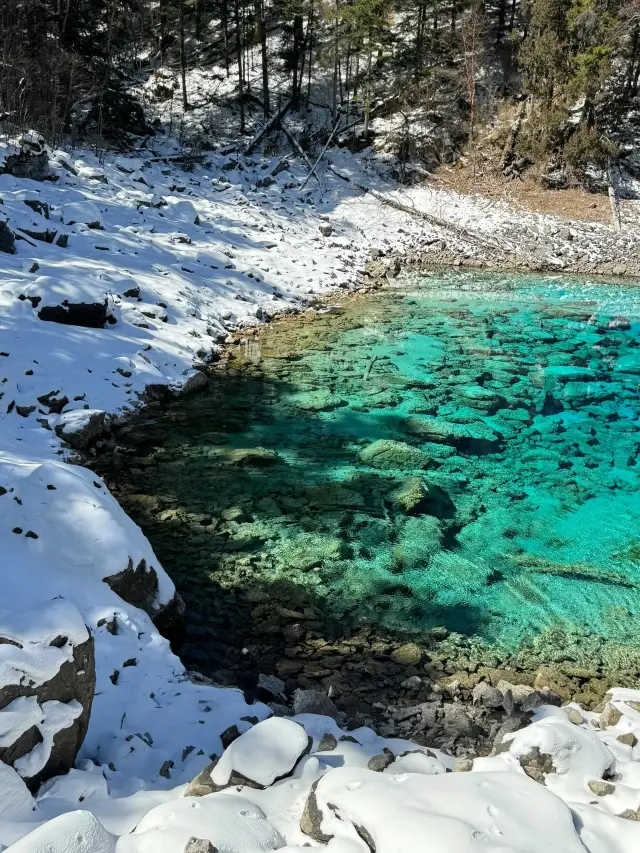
(458, 449)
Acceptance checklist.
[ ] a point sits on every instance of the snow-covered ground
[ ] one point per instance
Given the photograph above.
(170, 262)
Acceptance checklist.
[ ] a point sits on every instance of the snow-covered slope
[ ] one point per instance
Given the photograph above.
(126, 273)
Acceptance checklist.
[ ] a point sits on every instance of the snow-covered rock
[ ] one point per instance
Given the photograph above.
(231, 824)
(47, 682)
(77, 832)
(455, 813)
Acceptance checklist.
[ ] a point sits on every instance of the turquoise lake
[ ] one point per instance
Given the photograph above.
(457, 450)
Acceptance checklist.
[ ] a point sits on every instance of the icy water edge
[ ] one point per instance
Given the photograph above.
(458, 451)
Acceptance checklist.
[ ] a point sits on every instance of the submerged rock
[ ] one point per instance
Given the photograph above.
(388, 454)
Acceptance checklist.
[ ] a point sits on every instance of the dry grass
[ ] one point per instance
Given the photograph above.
(575, 204)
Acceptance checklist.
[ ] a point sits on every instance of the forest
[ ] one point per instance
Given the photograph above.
(552, 83)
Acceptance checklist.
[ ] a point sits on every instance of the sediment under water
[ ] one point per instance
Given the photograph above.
(457, 450)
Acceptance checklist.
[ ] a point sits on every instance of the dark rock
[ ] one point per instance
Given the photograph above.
(91, 315)
(81, 438)
(229, 735)
(7, 239)
(378, 763)
(38, 206)
(313, 702)
(327, 743)
(139, 586)
(33, 165)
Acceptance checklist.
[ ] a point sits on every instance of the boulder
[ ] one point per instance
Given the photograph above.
(91, 315)
(476, 439)
(267, 752)
(47, 683)
(7, 239)
(74, 832)
(407, 655)
(313, 702)
(225, 822)
(81, 427)
(31, 164)
(138, 585)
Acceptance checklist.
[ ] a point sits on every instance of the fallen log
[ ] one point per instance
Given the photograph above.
(268, 126)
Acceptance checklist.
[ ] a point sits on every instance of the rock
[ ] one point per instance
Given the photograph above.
(555, 681)
(270, 687)
(411, 495)
(476, 439)
(199, 845)
(75, 832)
(610, 716)
(327, 743)
(52, 644)
(91, 315)
(229, 735)
(407, 655)
(628, 739)
(313, 702)
(252, 457)
(630, 814)
(194, 382)
(326, 229)
(458, 723)
(412, 683)
(7, 239)
(463, 764)
(33, 165)
(574, 716)
(484, 694)
(202, 784)
(139, 586)
(267, 752)
(379, 763)
(84, 213)
(601, 788)
(537, 764)
(81, 427)
(388, 454)
(311, 820)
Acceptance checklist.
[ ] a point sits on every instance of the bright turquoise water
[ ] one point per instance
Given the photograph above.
(502, 501)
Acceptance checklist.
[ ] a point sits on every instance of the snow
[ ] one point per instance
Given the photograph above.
(179, 260)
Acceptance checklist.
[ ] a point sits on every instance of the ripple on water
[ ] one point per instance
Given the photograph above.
(458, 450)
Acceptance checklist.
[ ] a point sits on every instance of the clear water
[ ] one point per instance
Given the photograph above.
(508, 504)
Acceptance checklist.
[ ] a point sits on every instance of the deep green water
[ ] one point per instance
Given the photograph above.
(458, 450)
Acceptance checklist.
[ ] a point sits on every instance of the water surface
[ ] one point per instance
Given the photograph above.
(458, 450)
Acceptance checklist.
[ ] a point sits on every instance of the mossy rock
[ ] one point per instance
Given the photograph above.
(387, 454)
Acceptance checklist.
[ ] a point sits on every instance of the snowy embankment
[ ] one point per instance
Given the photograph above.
(125, 274)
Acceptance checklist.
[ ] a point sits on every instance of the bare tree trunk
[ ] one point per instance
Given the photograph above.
(367, 97)
(236, 15)
(614, 194)
(265, 63)
(310, 40)
(183, 60)
(334, 97)
(225, 34)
